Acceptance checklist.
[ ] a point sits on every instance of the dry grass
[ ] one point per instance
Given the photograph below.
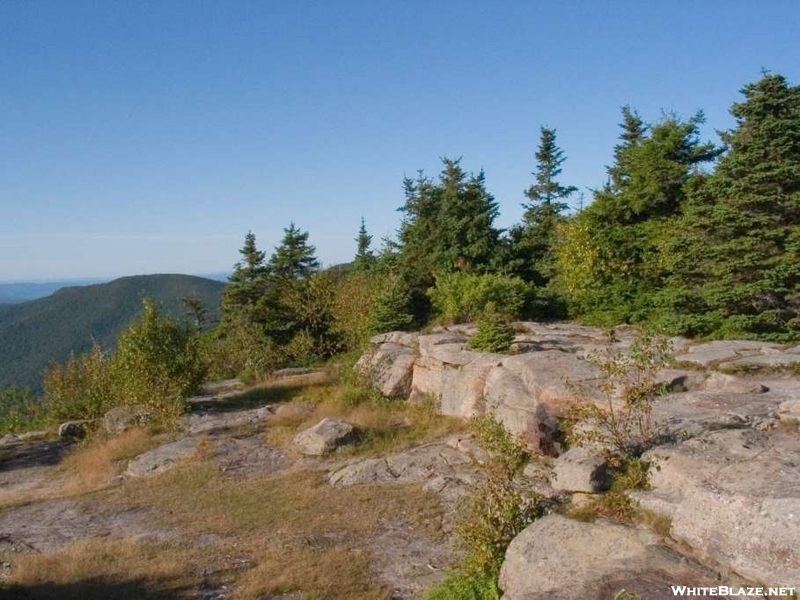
(296, 532)
(301, 534)
(120, 569)
(94, 465)
(385, 426)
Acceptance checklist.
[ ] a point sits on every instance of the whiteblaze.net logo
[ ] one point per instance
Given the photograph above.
(757, 592)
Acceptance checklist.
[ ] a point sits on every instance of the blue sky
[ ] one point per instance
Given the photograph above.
(144, 137)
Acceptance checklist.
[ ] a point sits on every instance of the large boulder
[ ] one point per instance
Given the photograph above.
(734, 497)
(459, 389)
(557, 558)
(529, 393)
(389, 365)
(324, 437)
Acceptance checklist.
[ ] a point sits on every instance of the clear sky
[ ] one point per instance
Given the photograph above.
(144, 137)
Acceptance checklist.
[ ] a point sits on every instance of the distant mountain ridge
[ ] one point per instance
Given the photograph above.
(36, 333)
(22, 291)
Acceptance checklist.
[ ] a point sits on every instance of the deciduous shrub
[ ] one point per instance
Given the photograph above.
(158, 364)
(490, 519)
(354, 305)
(462, 297)
(622, 424)
(81, 388)
(19, 411)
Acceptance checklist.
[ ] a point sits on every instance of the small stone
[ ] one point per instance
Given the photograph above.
(74, 429)
(325, 437)
(577, 470)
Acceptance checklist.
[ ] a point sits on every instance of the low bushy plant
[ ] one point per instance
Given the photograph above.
(355, 302)
(462, 297)
(494, 332)
(240, 349)
(19, 411)
(621, 425)
(489, 520)
(158, 363)
(81, 388)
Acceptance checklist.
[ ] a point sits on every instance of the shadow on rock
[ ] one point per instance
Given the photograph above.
(137, 589)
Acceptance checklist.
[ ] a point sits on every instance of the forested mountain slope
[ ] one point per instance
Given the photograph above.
(37, 333)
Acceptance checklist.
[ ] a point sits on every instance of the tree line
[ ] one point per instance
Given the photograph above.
(687, 236)
(694, 237)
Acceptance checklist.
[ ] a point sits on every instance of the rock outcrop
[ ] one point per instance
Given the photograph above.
(726, 477)
(163, 458)
(441, 468)
(733, 496)
(558, 558)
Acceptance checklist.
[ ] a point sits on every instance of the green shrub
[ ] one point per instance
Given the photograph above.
(489, 520)
(391, 312)
(240, 349)
(630, 473)
(354, 306)
(494, 333)
(462, 297)
(19, 411)
(621, 429)
(301, 349)
(158, 364)
(459, 587)
(81, 388)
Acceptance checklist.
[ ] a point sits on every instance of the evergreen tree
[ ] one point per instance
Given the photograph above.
(290, 268)
(365, 258)
(537, 236)
(468, 236)
(739, 263)
(448, 225)
(294, 259)
(494, 332)
(247, 282)
(391, 312)
(635, 214)
(634, 132)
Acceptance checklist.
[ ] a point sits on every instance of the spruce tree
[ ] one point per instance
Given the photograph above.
(537, 236)
(247, 282)
(449, 224)
(289, 270)
(391, 311)
(365, 258)
(634, 132)
(294, 258)
(634, 215)
(738, 265)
